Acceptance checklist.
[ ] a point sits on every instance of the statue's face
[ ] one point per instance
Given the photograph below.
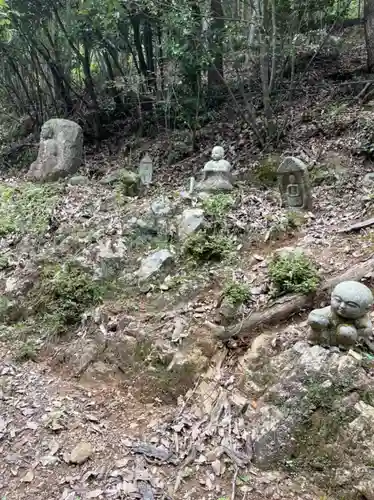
(46, 133)
(217, 153)
(351, 301)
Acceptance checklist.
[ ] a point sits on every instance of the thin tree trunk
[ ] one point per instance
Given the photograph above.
(90, 86)
(264, 65)
(215, 72)
(150, 58)
(369, 33)
(135, 23)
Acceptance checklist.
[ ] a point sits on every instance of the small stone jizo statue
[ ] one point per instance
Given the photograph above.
(346, 320)
(294, 184)
(216, 173)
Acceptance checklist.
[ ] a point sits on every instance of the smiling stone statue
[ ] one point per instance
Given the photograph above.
(346, 321)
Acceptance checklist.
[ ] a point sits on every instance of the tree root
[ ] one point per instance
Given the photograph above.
(285, 307)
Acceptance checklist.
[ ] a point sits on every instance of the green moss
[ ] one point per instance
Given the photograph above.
(27, 208)
(319, 443)
(61, 296)
(293, 273)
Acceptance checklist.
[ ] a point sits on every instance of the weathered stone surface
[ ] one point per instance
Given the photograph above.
(110, 256)
(216, 174)
(161, 207)
(112, 177)
(190, 221)
(129, 181)
(305, 386)
(81, 453)
(153, 264)
(78, 180)
(285, 252)
(368, 180)
(21, 281)
(60, 151)
(146, 170)
(347, 320)
(294, 184)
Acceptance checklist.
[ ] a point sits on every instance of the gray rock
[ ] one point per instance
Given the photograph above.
(81, 453)
(78, 180)
(111, 178)
(368, 180)
(153, 264)
(145, 225)
(290, 252)
(161, 207)
(60, 151)
(111, 256)
(300, 381)
(190, 221)
(128, 180)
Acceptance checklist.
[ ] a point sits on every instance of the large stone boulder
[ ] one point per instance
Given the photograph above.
(315, 414)
(60, 151)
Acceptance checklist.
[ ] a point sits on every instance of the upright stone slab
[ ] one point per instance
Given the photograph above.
(60, 151)
(146, 170)
(294, 184)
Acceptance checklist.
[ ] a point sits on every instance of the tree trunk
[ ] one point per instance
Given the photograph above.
(90, 87)
(217, 27)
(148, 47)
(135, 23)
(369, 33)
(192, 69)
(112, 87)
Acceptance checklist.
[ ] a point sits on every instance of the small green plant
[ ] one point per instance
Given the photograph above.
(27, 351)
(293, 273)
(236, 293)
(4, 263)
(217, 206)
(288, 223)
(204, 247)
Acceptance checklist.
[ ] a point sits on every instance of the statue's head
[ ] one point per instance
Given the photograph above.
(218, 153)
(46, 132)
(292, 179)
(351, 299)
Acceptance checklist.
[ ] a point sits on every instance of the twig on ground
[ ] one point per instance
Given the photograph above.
(233, 488)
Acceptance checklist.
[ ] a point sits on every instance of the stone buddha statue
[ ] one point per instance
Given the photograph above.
(346, 320)
(216, 173)
(294, 196)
